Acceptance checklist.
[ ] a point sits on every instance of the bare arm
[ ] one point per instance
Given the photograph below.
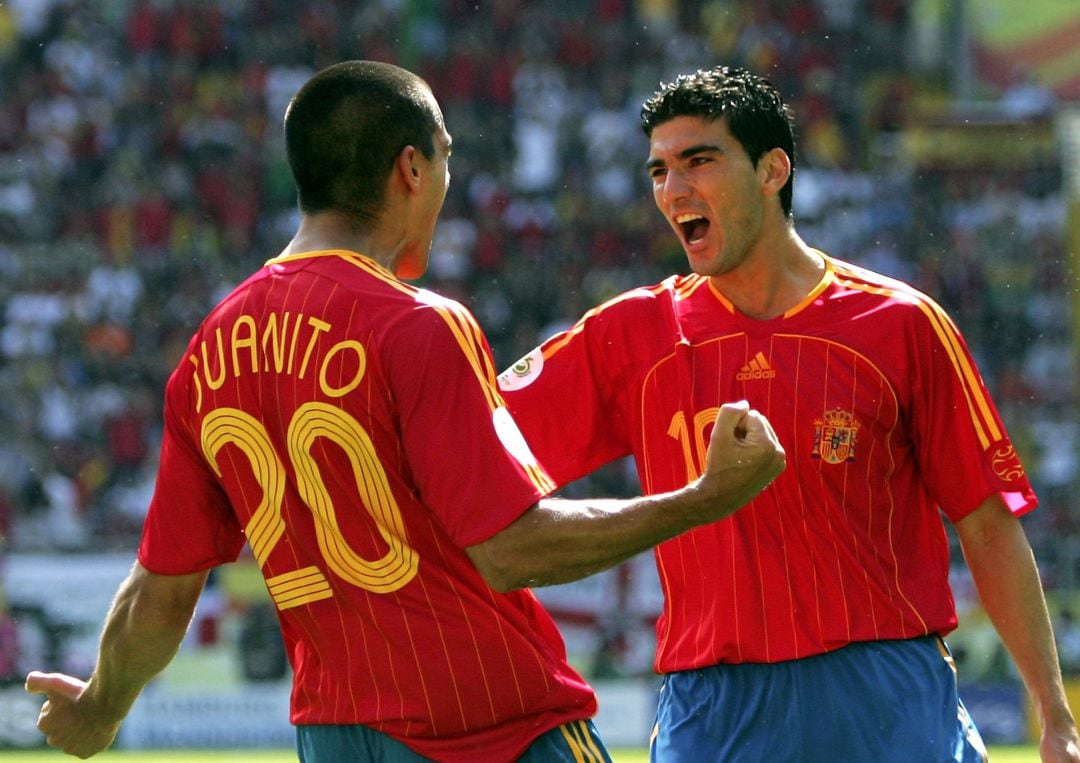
(557, 541)
(1003, 568)
(145, 625)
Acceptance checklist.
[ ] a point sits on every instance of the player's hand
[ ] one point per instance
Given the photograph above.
(66, 719)
(1061, 747)
(744, 456)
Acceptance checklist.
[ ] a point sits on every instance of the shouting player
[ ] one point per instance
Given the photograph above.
(809, 625)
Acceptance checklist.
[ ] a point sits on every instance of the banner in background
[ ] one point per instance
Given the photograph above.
(1035, 40)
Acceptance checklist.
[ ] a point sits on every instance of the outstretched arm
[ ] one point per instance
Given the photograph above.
(1003, 568)
(557, 541)
(143, 629)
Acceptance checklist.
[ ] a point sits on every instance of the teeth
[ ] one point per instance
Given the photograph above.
(687, 218)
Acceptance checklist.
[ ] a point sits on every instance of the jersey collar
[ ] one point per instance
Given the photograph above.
(827, 278)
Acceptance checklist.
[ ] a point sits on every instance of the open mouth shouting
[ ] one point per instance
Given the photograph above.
(693, 228)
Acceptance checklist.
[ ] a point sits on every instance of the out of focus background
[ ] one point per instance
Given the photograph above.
(142, 175)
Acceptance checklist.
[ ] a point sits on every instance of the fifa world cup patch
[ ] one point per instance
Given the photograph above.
(523, 373)
(835, 433)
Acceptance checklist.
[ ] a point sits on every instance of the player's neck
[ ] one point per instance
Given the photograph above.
(776, 277)
(326, 231)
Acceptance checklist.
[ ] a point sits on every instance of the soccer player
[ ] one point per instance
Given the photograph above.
(348, 426)
(809, 625)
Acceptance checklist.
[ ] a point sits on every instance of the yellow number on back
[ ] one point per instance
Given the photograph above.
(231, 426)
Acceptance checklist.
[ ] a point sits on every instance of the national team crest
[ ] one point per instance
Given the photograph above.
(834, 436)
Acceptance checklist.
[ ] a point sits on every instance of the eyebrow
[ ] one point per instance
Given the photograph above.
(686, 153)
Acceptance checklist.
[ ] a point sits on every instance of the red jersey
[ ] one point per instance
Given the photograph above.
(882, 413)
(348, 426)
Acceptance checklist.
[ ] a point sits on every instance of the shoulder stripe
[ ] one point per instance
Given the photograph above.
(555, 343)
(469, 337)
(464, 329)
(982, 417)
(689, 286)
(373, 268)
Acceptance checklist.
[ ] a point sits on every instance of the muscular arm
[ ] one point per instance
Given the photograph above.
(557, 541)
(143, 629)
(1003, 568)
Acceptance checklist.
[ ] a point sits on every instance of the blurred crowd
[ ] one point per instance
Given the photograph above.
(142, 175)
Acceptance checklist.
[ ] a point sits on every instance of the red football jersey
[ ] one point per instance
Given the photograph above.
(882, 413)
(348, 426)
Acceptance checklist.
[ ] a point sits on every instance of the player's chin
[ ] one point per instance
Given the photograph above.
(703, 264)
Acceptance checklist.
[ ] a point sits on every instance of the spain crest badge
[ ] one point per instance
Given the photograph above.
(834, 436)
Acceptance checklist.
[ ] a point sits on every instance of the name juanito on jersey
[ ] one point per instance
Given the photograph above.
(281, 344)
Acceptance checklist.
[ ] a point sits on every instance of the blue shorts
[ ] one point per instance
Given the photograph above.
(574, 742)
(874, 701)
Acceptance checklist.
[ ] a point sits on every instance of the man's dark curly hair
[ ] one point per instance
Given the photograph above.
(755, 113)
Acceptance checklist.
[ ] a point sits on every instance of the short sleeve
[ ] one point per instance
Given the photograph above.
(468, 460)
(560, 395)
(962, 446)
(189, 525)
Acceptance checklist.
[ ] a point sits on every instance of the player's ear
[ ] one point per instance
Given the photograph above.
(774, 169)
(407, 168)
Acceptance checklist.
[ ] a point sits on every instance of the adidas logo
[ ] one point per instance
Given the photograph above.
(757, 368)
